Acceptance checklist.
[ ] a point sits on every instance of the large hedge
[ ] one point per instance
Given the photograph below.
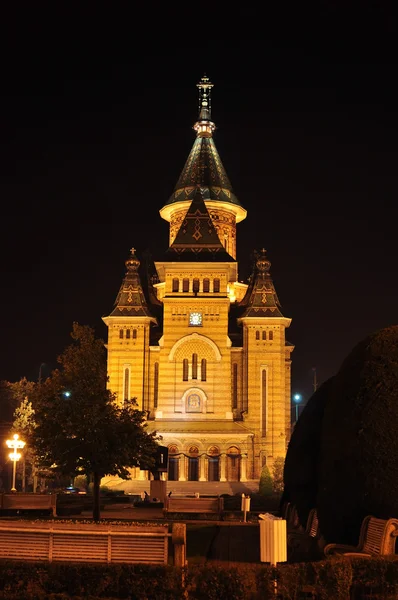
(358, 466)
(343, 454)
(300, 473)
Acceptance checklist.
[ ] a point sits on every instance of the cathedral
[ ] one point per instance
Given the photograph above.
(204, 355)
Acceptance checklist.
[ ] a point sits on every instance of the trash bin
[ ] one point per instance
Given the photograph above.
(273, 539)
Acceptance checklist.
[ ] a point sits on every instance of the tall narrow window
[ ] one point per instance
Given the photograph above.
(126, 384)
(185, 369)
(257, 335)
(121, 333)
(206, 285)
(271, 335)
(156, 385)
(134, 334)
(176, 284)
(264, 403)
(194, 366)
(264, 335)
(195, 286)
(216, 286)
(203, 369)
(185, 285)
(235, 386)
(128, 333)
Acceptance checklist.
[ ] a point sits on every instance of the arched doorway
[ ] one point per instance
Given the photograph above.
(193, 463)
(174, 459)
(233, 464)
(214, 464)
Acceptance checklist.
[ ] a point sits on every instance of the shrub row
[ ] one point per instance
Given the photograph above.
(337, 578)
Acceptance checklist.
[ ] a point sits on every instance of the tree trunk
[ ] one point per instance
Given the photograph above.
(96, 496)
(24, 475)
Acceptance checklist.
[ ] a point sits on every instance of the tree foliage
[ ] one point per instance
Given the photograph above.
(80, 426)
(266, 485)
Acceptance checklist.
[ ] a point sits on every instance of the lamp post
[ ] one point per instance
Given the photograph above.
(15, 444)
(297, 400)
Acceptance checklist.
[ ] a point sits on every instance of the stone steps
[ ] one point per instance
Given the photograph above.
(211, 488)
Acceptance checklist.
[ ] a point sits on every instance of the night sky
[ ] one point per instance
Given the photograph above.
(96, 117)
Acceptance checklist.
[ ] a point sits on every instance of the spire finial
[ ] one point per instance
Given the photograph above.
(204, 87)
(204, 126)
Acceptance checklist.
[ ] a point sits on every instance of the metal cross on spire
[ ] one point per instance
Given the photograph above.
(204, 87)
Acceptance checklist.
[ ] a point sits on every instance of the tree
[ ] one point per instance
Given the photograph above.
(81, 428)
(266, 485)
(24, 424)
(277, 474)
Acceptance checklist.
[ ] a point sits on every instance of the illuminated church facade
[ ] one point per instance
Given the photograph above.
(204, 355)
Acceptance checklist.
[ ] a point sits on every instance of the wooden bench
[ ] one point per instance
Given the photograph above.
(29, 502)
(57, 541)
(289, 513)
(376, 538)
(308, 540)
(194, 505)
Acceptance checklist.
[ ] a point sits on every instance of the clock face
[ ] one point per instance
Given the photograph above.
(195, 318)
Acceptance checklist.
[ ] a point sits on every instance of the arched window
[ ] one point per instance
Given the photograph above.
(185, 285)
(194, 366)
(185, 369)
(126, 385)
(257, 335)
(195, 286)
(176, 284)
(271, 335)
(264, 403)
(206, 285)
(121, 333)
(216, 286)
(134, 334)
(156, 385)
(264, 335)
(235, 386)
(128, 333)
(203, 369)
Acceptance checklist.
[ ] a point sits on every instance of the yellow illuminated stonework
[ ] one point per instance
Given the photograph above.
(213, 373)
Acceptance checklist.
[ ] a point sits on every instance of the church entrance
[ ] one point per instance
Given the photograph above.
(193, 464)
(214, 464)
(173, 468)
(174, 460)
(233, 464)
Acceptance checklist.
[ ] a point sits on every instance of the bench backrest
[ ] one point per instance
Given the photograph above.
(313, 524)
(28, 501)
(378, 536)
(194, 504)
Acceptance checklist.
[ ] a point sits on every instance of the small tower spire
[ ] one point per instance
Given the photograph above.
(204, 127)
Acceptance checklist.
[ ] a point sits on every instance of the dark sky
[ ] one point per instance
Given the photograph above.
(96, 119)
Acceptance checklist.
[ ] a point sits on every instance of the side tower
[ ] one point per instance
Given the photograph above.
(128, 338)
(266, 372)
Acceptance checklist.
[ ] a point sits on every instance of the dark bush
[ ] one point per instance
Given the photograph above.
(300, 475)
(358, 469)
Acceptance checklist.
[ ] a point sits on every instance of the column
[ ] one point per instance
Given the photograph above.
(223, 467)
(183, 467)
(202, 468)
(243, 467)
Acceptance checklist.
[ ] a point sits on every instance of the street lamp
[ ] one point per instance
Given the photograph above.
(15, 444)
(297, 400)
